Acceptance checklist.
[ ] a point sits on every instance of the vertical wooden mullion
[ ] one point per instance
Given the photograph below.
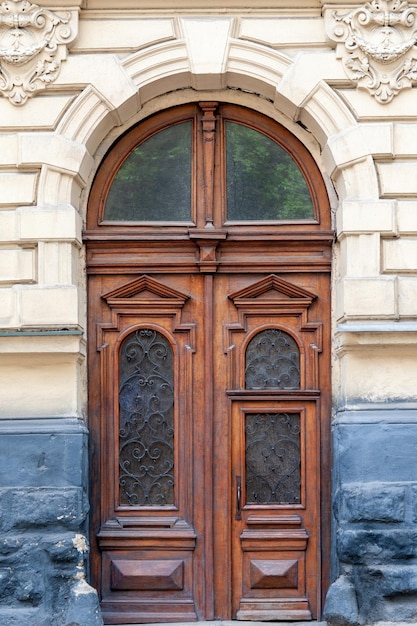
(209, 504)
(209, 131)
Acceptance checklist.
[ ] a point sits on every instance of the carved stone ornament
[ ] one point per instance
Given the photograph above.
(377, 43)
(33, 43)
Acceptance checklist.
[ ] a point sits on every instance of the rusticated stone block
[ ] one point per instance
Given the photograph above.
(414, 502)
(341, 607)
(387, 592)
(364, 546)
(23, 617)
(38, 507)
(67, 507)
(379, 502)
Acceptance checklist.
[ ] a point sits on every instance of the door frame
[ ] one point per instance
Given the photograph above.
(105, 248)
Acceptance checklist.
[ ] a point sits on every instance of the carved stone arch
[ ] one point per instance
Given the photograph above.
(93, 121)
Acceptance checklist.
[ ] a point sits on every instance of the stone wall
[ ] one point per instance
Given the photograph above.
(111, 69)
(375, 506)
(44, 507)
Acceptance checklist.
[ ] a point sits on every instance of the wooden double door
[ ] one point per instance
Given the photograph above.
(209, 413)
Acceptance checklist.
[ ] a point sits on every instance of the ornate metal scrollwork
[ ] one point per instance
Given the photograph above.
(273, 458)
(377, 42)
(32, 45)
(146, 431)
(272, 361)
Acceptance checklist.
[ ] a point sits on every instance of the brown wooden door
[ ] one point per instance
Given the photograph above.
(209, 394)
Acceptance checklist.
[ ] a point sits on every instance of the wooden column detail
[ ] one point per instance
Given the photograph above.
(209, 127)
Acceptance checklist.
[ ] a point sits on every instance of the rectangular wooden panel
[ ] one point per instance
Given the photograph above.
(146, 574)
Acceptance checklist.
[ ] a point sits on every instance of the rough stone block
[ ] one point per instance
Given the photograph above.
(380, 502)
(363, 546)
(384, 451)
(42, 507)
(414, 502)
(387, 592)
(83, 607)
(341, 608)
(57, 459)
(23, 617)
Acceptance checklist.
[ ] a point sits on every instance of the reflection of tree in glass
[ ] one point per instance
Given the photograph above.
(263, 181)
(154, 183)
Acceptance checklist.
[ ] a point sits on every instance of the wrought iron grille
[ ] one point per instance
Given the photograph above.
(272, 360)
(273, 458)
(146, 432)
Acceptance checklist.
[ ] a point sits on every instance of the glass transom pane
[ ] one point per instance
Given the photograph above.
(263, 180)
(146, 433)
(154, 182)
(273, 458)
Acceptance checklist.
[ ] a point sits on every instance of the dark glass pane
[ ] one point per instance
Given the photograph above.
(154, 183)
(272, 360)
(263, 180)
(273, 458)
(146, 435)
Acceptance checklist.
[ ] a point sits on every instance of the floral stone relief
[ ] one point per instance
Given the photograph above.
(377, 43)
(33, 43)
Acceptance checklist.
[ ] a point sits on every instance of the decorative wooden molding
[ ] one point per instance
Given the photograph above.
(208, 239)
(209, 126)
(33, 42)
(377, 43)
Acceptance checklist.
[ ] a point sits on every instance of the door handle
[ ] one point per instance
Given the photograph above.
(238, 498)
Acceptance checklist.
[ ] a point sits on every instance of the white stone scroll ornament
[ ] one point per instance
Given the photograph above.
(377, 43)
(33, 43)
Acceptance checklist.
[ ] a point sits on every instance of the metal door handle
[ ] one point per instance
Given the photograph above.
(238, 498)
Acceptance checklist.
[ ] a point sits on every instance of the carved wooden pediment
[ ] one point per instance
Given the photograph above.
(272, 291)
(145, 291)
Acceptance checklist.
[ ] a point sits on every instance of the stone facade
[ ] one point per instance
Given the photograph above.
(115, 64)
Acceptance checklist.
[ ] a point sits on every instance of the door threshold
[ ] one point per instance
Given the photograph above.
(226, 622)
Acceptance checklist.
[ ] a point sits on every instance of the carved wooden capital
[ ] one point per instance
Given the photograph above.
(208, 240)
(377, 44)
(33, 42)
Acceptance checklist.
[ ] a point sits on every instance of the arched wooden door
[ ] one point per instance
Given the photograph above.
(208, 254)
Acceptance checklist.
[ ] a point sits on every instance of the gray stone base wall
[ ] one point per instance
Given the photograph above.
(43, 518)
(375, 518)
